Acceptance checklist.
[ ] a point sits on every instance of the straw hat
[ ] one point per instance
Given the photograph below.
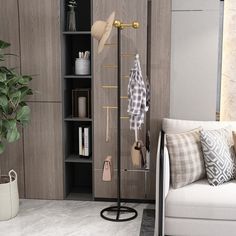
(101, 31)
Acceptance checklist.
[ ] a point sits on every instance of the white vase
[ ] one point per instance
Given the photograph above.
(9, 197)
(82, 66)
(82, 107)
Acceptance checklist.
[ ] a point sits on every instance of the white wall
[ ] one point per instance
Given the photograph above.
(228, 88)
(194, 59)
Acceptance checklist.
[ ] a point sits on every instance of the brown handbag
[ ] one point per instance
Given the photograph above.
(107, 169)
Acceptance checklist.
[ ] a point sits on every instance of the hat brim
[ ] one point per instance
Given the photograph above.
(107, 32)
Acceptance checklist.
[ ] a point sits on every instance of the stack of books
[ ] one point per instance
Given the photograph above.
(84, 141)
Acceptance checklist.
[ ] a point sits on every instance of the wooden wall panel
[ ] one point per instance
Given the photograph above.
(9, 32)
(43, 152)
(40, 47)
(133, 41)
(107, 190)
(160, 76)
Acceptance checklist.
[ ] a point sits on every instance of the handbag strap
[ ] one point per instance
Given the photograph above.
(107, 126)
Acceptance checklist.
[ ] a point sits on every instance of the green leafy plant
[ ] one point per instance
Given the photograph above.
(14, 111)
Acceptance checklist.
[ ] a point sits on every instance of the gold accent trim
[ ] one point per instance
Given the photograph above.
(110, 107)
(121, 25)
(124, 117)
(125, 76)
(124, 97)
(109, 86)
(110, 44)
(110, 66)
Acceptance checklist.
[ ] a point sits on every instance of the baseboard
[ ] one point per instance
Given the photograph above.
(125, 200)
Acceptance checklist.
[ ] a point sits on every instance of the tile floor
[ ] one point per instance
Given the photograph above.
(68, 218)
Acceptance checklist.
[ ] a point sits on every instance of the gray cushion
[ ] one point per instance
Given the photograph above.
(218, 155)
(186, 159)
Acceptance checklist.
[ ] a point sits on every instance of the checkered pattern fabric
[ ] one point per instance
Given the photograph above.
(186, 158)
(137, 104)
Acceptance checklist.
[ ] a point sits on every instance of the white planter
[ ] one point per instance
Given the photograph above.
(9, 197)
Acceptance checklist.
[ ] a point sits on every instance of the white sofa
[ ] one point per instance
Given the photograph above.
(197, 209)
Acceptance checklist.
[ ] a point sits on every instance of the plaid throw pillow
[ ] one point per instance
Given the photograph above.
(186, 158)
(218, 155)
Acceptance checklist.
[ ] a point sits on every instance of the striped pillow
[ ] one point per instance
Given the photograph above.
(186, 158)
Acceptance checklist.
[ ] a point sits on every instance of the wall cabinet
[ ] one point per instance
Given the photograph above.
(40, 57)
(9, 32)
(43, 152)
(40, 47)
(33, 29)
(36, 37)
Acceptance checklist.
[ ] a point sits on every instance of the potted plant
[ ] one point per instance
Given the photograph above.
(14, 113)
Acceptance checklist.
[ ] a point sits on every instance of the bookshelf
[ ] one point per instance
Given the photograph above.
(78, 169)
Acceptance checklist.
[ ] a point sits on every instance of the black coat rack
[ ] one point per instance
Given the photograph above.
(118, 209)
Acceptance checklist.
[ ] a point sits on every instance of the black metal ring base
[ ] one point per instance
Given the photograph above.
(119, 211)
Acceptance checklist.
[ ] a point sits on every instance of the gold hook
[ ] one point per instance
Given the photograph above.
(119, 24)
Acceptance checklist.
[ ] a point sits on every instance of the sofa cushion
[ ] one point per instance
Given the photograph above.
(186, 159)
(200, 200)
(219, 159)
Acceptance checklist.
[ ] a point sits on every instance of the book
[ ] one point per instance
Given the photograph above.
(84, 141)
(80, 141)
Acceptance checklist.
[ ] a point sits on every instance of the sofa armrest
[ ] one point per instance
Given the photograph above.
(160, 194)
(166, 174)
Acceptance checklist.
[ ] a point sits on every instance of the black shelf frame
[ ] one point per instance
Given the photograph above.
(70, 118)
(77, 76)
(78, 177)
(78, 159)
(75, 32)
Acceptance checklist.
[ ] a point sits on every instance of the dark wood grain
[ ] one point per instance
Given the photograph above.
(40, 47)
(133, 41)
(43, 152)
(160, 76)
(9, 32)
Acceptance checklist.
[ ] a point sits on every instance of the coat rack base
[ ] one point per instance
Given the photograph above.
(119, 212)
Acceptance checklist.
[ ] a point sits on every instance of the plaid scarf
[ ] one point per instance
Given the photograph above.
(137, 96)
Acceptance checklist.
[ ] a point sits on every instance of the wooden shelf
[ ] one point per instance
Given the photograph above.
(76, 32)
(78, 159)
(70, 118)
(77, 76)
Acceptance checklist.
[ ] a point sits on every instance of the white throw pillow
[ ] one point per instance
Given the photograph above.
(218, 155)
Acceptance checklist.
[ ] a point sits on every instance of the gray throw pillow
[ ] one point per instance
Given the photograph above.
(186, 158)
(218, 156)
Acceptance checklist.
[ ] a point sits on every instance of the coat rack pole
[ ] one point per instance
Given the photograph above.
(118, 117)
(118, 209)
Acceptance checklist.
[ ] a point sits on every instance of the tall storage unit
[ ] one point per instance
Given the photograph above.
(39, 23)
(78, 169)
(33, 29)
(9, 31)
